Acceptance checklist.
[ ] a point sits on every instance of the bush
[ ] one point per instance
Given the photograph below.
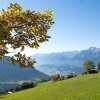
(84, 73)
(93, 71)
(55, 77)
(71, 75)
(25, 85)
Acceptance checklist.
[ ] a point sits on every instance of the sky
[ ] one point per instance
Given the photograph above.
(77, 23)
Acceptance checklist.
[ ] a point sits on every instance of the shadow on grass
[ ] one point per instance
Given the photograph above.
(2, 97)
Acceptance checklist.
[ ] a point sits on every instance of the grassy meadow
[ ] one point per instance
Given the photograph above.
(86, 87)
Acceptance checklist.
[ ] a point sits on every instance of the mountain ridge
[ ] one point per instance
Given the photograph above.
(13, 72)
(67, 61)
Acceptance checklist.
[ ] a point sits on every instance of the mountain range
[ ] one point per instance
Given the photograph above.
(66, 62)
(48, 64)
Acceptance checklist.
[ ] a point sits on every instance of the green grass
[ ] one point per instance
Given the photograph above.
(85, 87)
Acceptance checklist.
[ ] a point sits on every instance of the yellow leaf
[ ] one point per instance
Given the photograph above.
(1, 46)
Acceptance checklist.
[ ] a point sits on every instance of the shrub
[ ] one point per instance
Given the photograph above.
(55, 77)
(71, 75)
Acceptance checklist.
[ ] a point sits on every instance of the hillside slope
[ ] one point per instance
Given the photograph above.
(10, 72)
(85, 87)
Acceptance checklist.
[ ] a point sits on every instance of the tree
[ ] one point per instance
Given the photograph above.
(55, 77)
(21, 28)
(88, 65)
(98, 66)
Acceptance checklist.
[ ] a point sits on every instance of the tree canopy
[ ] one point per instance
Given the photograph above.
(88, 65)
(20, 28)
